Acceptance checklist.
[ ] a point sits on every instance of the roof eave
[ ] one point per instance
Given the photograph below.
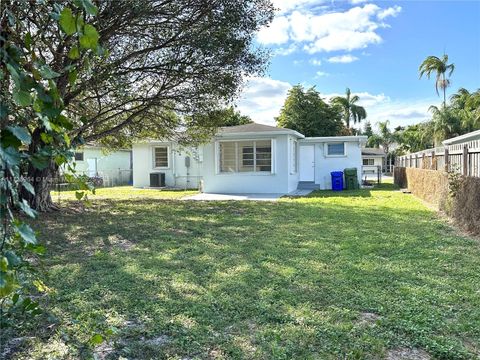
(259, 133)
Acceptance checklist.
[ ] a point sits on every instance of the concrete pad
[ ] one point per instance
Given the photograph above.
(237, 197)
(300, 192)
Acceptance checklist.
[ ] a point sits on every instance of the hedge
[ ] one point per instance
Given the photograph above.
(433, 187)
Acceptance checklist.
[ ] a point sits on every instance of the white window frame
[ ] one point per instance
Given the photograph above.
(372, 159)
(243, 173)
(334, 143)
(153, 157)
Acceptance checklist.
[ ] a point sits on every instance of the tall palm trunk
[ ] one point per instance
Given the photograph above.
(444, 91)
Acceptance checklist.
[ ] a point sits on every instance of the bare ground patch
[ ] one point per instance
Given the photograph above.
(407, 354)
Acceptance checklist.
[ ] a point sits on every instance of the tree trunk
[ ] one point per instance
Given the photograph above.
(41, 180)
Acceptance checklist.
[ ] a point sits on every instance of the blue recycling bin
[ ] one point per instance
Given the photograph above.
(337, 180)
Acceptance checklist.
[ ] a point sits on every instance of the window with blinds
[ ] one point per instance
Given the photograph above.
(161, 157)
(245, 156)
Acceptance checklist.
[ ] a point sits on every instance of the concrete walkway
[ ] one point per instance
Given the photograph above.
(242, 197)
(238, 197)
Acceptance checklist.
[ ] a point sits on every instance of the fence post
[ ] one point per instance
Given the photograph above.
(423, 161)
(465, 160)
(447, 160)
(433, 163)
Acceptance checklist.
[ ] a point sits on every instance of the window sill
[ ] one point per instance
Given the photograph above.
(335, 156)
(161, 168)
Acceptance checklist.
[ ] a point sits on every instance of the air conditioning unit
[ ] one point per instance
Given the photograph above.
(157, 179)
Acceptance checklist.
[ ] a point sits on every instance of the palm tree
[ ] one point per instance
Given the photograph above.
(467, 107)
(433, 64)
(351, 111)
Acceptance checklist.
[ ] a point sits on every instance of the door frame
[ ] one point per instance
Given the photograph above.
(312, 147)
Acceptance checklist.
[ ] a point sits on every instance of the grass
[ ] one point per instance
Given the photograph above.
(329, 276)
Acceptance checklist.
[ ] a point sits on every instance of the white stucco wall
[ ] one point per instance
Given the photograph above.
(324, 165)
(176, 174)
(114, 167)
(279, 181)
(378, 159)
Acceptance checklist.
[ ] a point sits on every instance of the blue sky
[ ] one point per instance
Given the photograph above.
(373, 47)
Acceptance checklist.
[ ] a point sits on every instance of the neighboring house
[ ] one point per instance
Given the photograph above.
(113, 167)
(252, 158)
(373, 160)
(466, 138)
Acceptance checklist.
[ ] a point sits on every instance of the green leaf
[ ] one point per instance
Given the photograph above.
(9, 140)
(79, 195)
(15, 298)
(13, 259)
(22, 97)
(47, 73)
(89, 7)
(21, 134)
(89, 38)
(26, 233)
(14, 73)
(67, 21)
(72, 77)
(3, 264)
(74, 53)
(40, 161)
(27, 209)
(96, 339)
(7, 284)
(46, 138)
(28, 40)
(10, 156)
(27, 186)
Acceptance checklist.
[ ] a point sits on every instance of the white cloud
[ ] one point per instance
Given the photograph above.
(365, 99)
(342, 59)
(315, 62)
(355, 2)
(328, 31)
(286, 50)
(284, 6)
(322, 74)
(392, 11)
(276, 33)
(400, 112)
(262, 99)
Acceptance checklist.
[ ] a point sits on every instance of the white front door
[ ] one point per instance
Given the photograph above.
(307, 163)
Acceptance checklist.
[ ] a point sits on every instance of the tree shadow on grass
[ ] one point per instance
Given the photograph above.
(259, 280)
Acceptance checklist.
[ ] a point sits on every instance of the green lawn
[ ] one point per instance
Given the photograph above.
(331, 276)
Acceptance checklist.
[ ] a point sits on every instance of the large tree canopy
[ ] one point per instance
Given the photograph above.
(153, 58)
(306, 112)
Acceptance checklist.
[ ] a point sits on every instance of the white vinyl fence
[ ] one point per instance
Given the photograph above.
(463, 158)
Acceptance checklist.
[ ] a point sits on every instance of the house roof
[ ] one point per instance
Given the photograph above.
(474, 135)
(373, 152)
(255, 129)
(360, 139)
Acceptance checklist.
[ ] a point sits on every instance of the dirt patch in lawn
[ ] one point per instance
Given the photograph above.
(407, 354)
(368, 318)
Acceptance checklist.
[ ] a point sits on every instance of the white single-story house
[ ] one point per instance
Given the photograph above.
(252, 158)
(373, 160)
(114, 167)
